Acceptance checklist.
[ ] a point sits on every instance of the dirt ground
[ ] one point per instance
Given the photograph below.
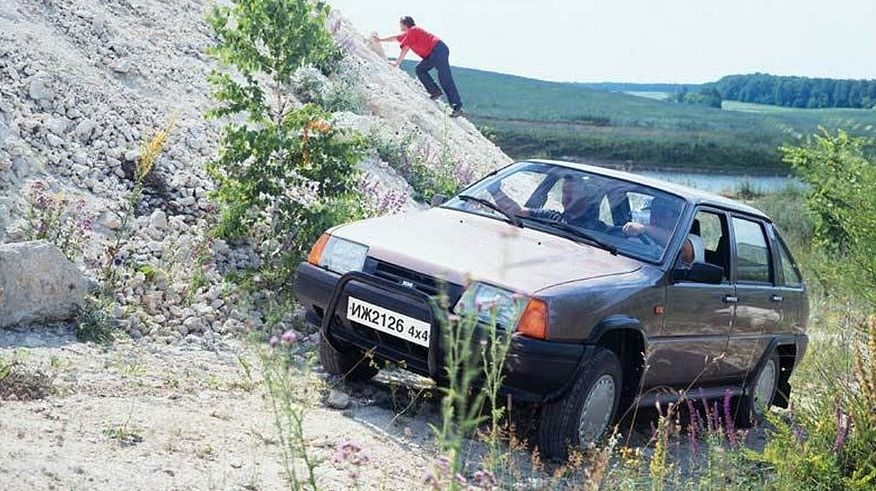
(139, 416)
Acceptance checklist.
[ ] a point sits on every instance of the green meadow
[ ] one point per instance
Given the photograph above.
(534, 118)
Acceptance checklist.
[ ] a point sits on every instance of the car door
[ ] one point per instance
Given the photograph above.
(757, 312)
(697, 317)
(791, 293)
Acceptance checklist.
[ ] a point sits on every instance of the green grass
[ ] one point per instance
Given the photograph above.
(534, 118)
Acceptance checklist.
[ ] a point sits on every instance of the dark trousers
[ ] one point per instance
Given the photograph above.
(440, 59)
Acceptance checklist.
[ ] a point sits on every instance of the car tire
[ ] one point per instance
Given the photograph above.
(585, 413)
(352, 365)
(754, 403)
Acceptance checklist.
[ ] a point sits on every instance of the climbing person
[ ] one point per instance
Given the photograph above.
(435, 54)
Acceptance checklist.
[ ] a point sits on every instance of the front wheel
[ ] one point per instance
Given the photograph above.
(353, 365)
(582, 417)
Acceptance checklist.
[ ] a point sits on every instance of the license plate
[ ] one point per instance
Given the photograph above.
(385, 320)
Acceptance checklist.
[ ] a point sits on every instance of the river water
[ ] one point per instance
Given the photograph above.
(724, 183)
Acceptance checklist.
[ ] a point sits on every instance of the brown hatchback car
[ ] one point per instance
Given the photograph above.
(619, 290)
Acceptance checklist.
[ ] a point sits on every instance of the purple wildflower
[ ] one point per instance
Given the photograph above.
(484, 479)
(728, 420)
(350, 451)
(290, 337)
(442, 463)
(85, 225)
(463, 173)
(692, 427)
(843, 425)
(708, 415)
(274, 341)
(799, 433)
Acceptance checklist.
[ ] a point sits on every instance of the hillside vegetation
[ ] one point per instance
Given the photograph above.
(533, 118)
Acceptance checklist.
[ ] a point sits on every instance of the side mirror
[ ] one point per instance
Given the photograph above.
(700, 273)
(438, 200)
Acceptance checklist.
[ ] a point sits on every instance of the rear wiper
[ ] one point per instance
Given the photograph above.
(577, 232)
(514, 219)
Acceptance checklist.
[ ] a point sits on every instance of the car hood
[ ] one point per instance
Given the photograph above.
(459, 247)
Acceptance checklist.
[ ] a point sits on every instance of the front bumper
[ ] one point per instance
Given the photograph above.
(535, 370)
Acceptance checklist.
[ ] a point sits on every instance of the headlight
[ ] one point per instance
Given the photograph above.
(490, 304)
(338, 255)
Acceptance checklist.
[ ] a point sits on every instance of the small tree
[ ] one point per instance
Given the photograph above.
(842, 178)
(283, 173)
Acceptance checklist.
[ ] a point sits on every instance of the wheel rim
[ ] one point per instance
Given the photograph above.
(596, 412)
(765, 386)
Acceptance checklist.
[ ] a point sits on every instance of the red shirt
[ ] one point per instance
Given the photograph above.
(420, 41)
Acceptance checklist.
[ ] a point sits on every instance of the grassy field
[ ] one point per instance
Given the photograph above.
(534, 118)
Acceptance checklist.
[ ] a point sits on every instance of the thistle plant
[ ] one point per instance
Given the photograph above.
(460, 409)
(283, 365)
(498, 342)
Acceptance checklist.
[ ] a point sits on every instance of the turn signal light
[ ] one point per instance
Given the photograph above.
(318, 247)
(533, 322)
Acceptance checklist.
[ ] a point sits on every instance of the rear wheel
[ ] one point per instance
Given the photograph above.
(351, 364)
(583, 416)
(758, 397)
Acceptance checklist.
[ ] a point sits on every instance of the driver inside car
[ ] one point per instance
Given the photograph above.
(578, 209)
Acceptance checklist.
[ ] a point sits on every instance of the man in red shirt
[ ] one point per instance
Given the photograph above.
(435, 54)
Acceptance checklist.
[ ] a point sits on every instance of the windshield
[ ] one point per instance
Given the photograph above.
(632, 219)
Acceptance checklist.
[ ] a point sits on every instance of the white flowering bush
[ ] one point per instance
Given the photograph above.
(310, 85)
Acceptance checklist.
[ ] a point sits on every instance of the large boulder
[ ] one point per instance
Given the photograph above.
(38, 284)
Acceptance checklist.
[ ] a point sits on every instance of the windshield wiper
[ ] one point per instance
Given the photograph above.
(575, 231)
(514, 219)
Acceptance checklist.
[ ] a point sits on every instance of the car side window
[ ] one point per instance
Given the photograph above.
(789, 269)
(752, 252)
(712, 228)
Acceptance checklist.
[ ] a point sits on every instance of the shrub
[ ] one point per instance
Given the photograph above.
(841, 179)
(428, 174)
(55, 218)
(283, 174)
(828, 442)
(94, 322)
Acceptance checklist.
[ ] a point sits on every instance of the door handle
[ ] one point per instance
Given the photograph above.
(730, 299)
(776, 298)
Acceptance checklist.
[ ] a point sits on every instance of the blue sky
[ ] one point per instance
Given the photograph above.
(685, 41)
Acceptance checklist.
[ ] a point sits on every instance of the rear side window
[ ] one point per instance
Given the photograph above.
(752, 253)
(712, 229)
(789, 269)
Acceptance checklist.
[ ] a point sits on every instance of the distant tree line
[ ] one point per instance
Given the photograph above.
(800, 92)
(704, 96)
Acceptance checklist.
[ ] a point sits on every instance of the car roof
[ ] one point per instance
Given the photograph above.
(691, 195)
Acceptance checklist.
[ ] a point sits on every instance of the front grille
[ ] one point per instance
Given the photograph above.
(419, 281)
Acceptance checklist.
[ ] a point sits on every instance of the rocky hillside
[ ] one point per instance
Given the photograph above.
(83, 84)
